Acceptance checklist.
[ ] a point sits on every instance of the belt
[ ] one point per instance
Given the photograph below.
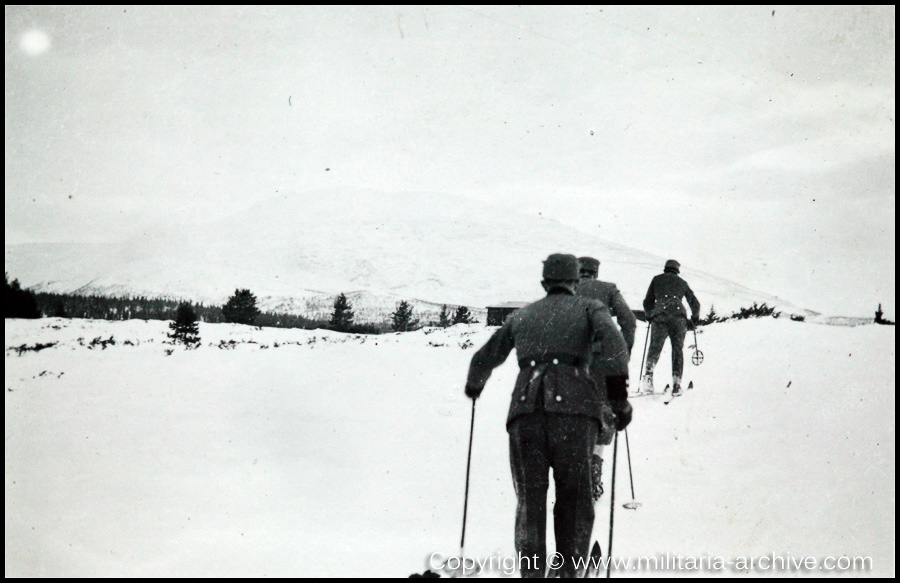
(550, 359)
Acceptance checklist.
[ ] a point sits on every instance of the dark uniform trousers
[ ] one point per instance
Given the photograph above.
(674, 327)
(539, 441)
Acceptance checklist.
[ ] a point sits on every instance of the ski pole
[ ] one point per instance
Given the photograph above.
(631, 504)
(462, 542)
(697, 357)
(612, 506)
(644, 354)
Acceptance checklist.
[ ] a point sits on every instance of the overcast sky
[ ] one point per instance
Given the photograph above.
(756, 143)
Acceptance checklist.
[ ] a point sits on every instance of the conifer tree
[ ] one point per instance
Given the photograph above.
(462, 316)
(402, 319)
(444, 317)
(241, 308)
(18, 302)
(342, 316)
(185, 330)
(711, 318)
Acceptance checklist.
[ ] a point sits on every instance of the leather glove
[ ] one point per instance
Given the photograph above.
(695, 318)
(617, 387)
(691, 324)
(623, 411)
(473, 392)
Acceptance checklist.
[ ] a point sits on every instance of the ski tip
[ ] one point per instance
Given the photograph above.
(593, 569)
(671, 398)
(690, 385)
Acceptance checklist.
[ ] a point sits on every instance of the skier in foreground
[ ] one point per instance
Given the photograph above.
(557, 411)
(667, 316)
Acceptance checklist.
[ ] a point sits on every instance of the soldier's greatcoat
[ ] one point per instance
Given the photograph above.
(555, 416)
(610, 295)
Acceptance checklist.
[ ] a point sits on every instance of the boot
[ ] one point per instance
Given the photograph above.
(676, 386)
(596, 477)
(647, 382)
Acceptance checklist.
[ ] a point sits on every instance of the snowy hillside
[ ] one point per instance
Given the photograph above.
(312, 453)
(383, 247)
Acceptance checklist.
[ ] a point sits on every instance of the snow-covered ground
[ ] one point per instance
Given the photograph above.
(307, 453)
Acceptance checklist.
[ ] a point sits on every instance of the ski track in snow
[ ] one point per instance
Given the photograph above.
(345, 455)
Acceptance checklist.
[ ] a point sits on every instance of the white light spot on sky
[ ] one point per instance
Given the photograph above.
(35, 42)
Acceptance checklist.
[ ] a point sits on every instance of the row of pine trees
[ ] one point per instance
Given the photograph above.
(402, 319)
(241, 308)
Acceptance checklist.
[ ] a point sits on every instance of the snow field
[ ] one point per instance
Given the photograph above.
(336, 454)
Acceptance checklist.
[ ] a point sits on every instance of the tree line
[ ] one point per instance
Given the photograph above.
(62, 305)
(402, 319)
(240, 308)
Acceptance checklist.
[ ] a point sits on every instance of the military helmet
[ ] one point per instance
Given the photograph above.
(672, 265)
(561, 267)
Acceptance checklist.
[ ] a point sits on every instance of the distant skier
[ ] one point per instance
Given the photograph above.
(667, 316)
(557, 412)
